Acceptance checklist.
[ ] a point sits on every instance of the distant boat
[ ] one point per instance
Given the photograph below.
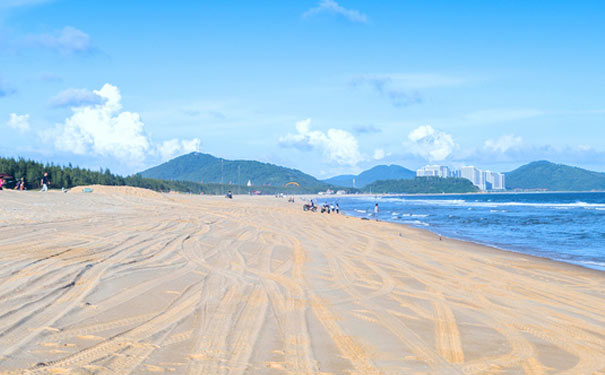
(249, 183)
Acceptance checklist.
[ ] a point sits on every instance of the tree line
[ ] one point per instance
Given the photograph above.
(69, 176)
(423, 185)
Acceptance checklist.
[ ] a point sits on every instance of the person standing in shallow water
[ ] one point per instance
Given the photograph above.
(44, 182)
(376, 210)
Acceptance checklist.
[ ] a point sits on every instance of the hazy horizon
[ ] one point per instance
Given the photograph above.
(327, 87)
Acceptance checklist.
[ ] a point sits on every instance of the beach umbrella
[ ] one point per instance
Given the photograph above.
(6, 176)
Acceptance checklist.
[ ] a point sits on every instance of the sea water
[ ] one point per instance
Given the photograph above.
(567, 227)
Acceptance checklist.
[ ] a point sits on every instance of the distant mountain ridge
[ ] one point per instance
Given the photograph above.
(555, 177)
(379, 172)
(198, 167)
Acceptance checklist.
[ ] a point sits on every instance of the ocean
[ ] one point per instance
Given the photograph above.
(566, 227)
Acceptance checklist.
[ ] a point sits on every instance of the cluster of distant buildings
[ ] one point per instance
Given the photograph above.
(484, 180)
(332, 192)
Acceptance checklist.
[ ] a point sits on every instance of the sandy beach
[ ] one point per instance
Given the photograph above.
(129, 281)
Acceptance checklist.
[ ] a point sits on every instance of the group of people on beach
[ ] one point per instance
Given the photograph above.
(20, 184)
(325, 208)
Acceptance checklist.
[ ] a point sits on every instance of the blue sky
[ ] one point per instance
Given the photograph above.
(325, 86)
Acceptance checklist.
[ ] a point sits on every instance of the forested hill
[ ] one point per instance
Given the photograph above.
(422, 185)
(199, 167)
(555, 177)
(68, 177)
(379, 172)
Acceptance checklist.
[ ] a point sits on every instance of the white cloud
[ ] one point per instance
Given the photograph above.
(174, 147)
(19, 122)
(431, 144)
(489, 116)
(503, 143)
(67, 40)
(332, 7)
(380, 154)
(103, 129)
(337, 145)
(76, 98)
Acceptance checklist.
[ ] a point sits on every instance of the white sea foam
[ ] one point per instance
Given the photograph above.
(489, 204)
(416, 222)
(586, 263)
(592, 263)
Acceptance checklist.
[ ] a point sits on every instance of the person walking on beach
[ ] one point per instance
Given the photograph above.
(44, 182)
(20, 184)
(376, 210)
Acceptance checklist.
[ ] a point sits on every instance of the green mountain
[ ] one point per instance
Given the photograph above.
(422, 185)
(556, 177)
(198, 167)
(379, 172)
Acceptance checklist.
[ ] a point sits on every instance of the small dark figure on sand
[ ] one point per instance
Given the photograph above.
(44, 182)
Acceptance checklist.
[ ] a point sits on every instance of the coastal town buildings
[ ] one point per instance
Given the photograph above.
(483, 179)
(434, 170)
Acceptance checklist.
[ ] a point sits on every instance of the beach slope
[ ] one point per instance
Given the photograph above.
(128, 281)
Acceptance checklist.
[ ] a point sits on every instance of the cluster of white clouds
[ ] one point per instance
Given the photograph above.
(430, 144)
(424, 142)
(19, 122)
(380, 154)
(104, 129)
(67, 40)
(503, 143)
(434, 145)
(173, 147)
(337, 145)
(332, 7)
(99, 126)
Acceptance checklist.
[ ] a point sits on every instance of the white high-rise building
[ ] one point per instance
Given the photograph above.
(484, 180)
(495, 179)
(433, 170)
(473, 175)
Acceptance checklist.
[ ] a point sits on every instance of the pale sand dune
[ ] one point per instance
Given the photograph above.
(127, 281)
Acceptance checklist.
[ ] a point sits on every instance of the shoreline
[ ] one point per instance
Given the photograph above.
(449, 194)
(476, 242)
(496, 250)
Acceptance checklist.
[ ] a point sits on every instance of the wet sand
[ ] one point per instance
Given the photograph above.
(124, 281)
